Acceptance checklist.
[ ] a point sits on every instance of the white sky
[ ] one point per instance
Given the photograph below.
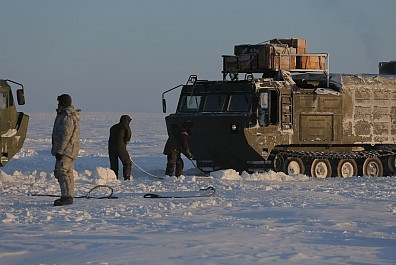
(121, 55)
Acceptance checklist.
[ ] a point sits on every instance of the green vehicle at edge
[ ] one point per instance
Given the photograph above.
(13, 124)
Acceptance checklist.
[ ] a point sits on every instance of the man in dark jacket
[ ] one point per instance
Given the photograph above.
(176, 144)
(65, 147)
(120, 135)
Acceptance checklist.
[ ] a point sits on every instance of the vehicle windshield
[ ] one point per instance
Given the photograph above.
(237, 102)
(214, 103)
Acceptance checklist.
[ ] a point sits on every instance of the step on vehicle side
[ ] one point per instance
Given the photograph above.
(297, 117)
(13, 124)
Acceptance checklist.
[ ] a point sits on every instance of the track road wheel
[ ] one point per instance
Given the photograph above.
(372, 167)
(278, 162)
(347, 168)
(293, 166)
(390, 165)
(321, 168)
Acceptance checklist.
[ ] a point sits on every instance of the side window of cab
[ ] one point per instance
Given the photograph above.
(263, 109)
(269, 107)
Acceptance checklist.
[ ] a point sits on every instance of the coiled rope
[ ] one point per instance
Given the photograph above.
(87, 196)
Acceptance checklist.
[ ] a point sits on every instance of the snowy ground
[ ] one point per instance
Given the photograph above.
(266, 218)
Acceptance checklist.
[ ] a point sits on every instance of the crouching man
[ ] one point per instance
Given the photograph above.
(176, 145)
(65, 147)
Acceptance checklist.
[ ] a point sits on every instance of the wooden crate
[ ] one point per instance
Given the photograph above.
(251, 58)
(241, 63)
(278, 57)
(299, 43)
(314, 62)
(247, 62)
(248, 49)
(230, 63)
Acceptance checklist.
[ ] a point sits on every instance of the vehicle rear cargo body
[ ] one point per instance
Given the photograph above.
(372, 119)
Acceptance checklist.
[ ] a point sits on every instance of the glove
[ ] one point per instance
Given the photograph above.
(58, 156)
(189, 156)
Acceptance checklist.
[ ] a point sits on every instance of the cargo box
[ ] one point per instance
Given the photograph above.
(278, 54)
(248, 61)
(248, 48)
(299, 44)
(314, 62)
(278, 57)
(230, 63)
(387, 68)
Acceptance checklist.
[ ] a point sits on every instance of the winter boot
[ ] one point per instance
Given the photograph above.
(63, 201)
(127, 177)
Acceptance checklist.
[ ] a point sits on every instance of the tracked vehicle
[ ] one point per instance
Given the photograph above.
(13, 124)
(296, 117)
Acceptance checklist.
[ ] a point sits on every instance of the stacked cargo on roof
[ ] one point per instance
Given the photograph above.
(274, 55)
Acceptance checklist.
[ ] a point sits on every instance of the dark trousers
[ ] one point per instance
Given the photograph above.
(174, 160)
(123, 155)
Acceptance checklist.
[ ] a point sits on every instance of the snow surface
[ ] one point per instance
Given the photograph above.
(268, 218)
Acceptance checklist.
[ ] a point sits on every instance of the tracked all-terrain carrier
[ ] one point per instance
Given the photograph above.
(13, 124)
(296, 117)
